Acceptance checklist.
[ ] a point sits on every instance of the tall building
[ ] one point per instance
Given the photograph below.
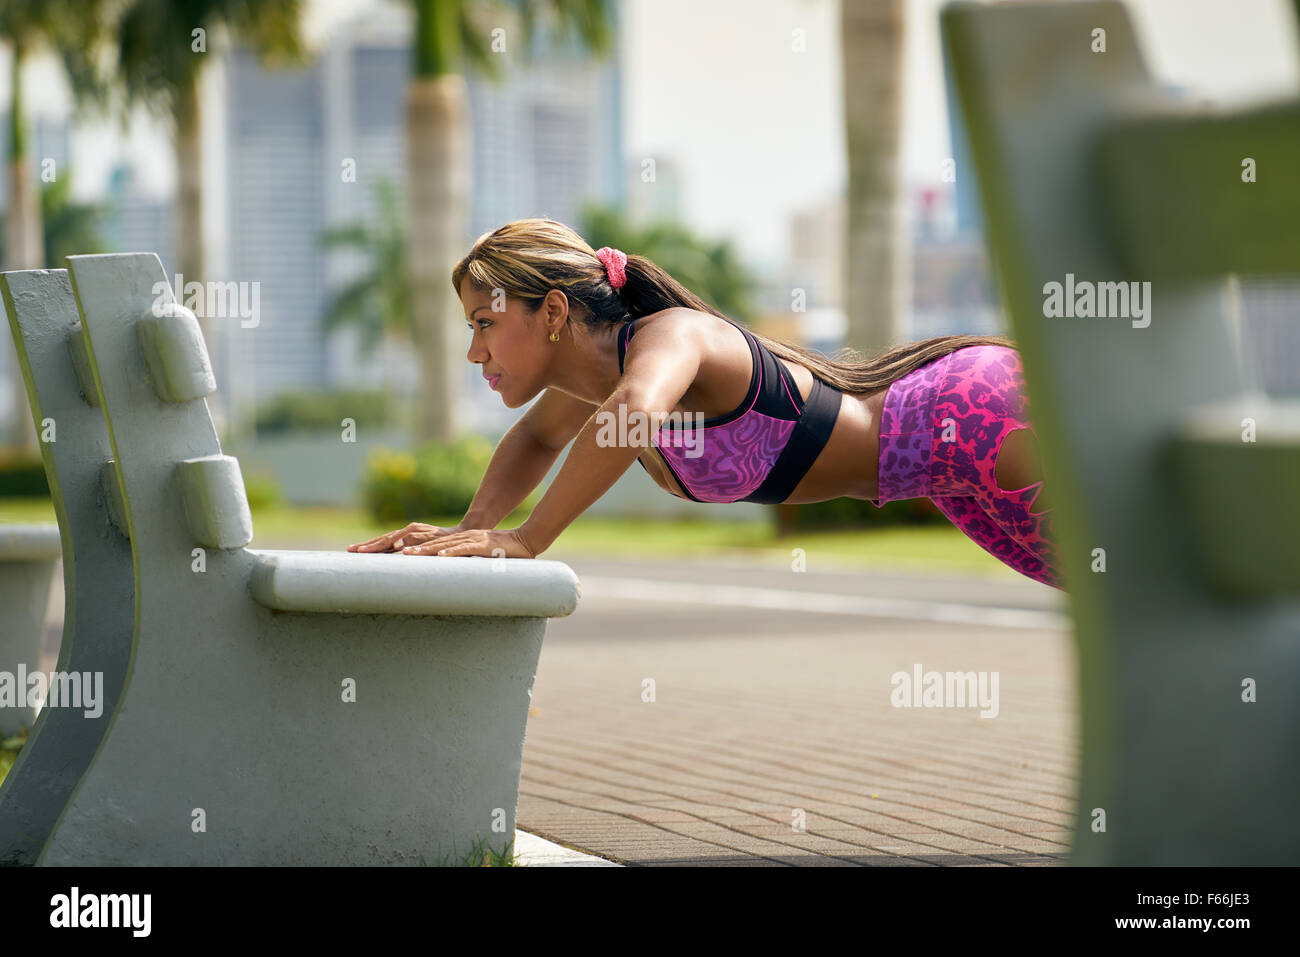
(276, 164)
(546, 139)
(816, 261)
(951, 288)
(137, 222)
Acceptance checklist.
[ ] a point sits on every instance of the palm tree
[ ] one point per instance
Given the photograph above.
(70, 228)
(74, 31)
(709, 269)
(452, 36)
(871, 37)
(378, 302)
(163, 46)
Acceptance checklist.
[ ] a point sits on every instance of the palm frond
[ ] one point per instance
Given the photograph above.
(355, 235)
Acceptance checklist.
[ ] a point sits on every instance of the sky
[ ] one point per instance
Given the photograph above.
(759, 130)
(756, 128)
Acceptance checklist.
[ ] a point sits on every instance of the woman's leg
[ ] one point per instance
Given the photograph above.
(968, 514)
(981, 401)
(1009, 505)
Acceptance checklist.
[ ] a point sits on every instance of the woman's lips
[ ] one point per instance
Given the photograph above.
(493, 380)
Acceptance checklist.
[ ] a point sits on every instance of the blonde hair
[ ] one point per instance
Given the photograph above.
(529, 257)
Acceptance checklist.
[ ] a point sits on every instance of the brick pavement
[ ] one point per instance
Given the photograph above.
(745, 728)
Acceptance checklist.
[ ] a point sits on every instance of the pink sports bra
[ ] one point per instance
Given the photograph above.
(760, 450)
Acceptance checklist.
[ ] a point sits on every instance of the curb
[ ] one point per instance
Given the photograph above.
(534, 851)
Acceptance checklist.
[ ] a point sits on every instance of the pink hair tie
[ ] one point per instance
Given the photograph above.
(615, 261)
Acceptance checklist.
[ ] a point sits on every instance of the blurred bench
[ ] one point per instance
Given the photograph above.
(1180, 536)
(98, 580)
(284, 707)
(28, 555)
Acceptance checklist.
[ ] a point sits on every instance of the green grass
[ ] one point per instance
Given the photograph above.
(939, 548)
(36, 510)
(479, 855)
(9, 748)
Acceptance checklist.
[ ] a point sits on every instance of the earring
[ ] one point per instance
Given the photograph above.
(555, 337)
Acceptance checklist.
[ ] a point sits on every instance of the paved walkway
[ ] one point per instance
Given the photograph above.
(764, 718)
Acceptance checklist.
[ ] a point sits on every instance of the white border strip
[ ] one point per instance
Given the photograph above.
(825, 603)
(534, 851)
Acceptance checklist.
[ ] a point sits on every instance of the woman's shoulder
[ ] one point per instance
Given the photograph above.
(676, 316)
(682, 321)
(680, 332)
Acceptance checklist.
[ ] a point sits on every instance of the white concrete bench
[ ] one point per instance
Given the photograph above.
(98, 579)
(285, 707)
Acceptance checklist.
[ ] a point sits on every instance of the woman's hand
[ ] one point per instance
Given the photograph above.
(414, 534)
(488, 542)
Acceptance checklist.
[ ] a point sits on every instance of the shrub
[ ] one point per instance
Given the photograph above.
(22, 474)
(324, 411)
(262, 490)
(438, 479)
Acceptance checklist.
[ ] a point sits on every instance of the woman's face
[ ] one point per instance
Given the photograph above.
(508, 345)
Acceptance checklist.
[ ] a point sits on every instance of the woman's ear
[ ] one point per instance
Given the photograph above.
(555, 305)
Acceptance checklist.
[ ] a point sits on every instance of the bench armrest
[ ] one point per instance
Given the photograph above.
(395, 584)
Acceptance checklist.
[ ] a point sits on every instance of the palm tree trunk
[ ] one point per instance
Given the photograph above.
(188, 213)
(872, 45)
(438, 187)
(188, 226)
(24, 240)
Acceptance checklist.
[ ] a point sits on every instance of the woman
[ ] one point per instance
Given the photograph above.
(601, 332)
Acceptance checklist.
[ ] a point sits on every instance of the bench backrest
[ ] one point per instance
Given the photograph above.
(180, 491)
(97, 569)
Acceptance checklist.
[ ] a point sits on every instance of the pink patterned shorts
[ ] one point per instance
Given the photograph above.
(940, 432)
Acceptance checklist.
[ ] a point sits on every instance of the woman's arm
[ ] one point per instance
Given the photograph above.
(591, 469)
(658, 369)
(518, 465)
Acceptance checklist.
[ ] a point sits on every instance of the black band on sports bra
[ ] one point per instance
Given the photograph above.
(809, 437)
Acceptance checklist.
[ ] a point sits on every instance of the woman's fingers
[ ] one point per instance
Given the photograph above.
(368, 545)
(386, 542)
(443, 543)
(413, 534)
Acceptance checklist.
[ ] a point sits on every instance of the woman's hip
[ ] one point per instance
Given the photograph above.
(942, 424)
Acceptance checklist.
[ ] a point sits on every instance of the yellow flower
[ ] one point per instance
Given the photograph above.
(402, 466)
